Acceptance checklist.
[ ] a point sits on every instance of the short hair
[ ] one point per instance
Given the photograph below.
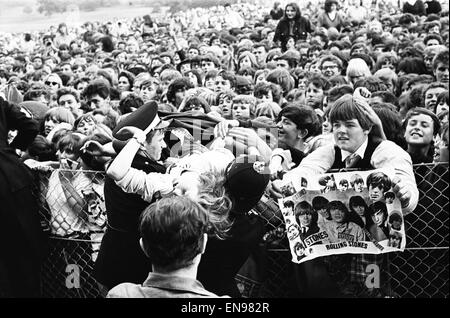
(303, 207)
(197, 101)
(392, 122)
(378, 206)
(431, 86)
(225, 93)
(264, 87)
(106, 75)
(358, 46)
(80, 80)
(386, 97)
(148, 82)
(319, 81)
(395, 216)
(283, 78)
(70, 142)
(319, 203)
(211, 74)
(61, 114)
(423, 111)
(356, 179)
(338, 205)
(386, 74)
(347, 108)
(379, 180)
(433, 37)
(442, 97)
(196, 74)
(172, 231)
(289, 204)
(67, 91)
(324, 180)
(304, 117)
(328, 4)
(130, 77)
(177, 84)
(338, 91)
(247, 71)
(169, 75)
(331, 58)
(343, 182)
(130, 101)
(228, 76)
(267, 109)
(372, 83)
(441, 57)
(99, 87)
(246, 99)
(357, 67)
(337, 80)
(357, 200)
(412, 65)
(58, 78)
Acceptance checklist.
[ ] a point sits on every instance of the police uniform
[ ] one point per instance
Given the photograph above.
(120, 258)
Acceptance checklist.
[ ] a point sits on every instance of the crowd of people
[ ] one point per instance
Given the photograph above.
(200, 114)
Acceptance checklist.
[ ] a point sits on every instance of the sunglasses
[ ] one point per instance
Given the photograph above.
(51, 83)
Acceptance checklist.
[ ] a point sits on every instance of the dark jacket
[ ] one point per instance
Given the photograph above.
(277, 13)
(300, 31)
(22, 243)
(223, 259)
(120, 258)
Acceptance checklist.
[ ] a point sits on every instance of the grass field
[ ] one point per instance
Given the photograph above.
(15, 20)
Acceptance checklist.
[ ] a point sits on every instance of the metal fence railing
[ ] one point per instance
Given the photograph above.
(422, 270)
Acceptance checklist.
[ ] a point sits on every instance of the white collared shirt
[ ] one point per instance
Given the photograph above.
(360, 151)
(387, 155)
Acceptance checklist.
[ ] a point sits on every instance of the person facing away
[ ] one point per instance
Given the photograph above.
(173, 233)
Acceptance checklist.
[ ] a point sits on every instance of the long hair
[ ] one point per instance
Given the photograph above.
(298, 13)
(354, 217)
(213, 197)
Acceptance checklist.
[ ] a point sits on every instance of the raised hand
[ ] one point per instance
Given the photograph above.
(94, 148)
(131, 131)
(222, 128)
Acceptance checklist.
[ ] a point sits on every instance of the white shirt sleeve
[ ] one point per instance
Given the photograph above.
(145, 184)
(389, 155)
(317, 162)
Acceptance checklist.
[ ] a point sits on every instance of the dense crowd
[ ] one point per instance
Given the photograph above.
(209, 110)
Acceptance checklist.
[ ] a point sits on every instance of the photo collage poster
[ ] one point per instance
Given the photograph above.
(338, 213)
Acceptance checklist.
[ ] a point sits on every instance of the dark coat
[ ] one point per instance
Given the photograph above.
(22, 243)
(120, 258)
(301, 28)
(223, 259)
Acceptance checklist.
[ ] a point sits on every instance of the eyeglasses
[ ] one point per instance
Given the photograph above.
(51, 83)
(324, 67)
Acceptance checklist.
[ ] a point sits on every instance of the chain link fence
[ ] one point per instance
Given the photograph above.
(73, 213)
(422, 270)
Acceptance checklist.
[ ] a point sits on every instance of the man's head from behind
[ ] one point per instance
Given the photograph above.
(173, 233)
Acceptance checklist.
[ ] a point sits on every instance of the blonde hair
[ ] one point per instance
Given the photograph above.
(213, 197)
(357, 67)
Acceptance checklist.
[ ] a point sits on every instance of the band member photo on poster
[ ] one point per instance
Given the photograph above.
(333, 215)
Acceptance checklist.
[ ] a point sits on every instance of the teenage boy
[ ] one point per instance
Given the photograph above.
(355, 148)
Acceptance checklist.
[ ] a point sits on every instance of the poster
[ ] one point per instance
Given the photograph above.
(338, 213)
